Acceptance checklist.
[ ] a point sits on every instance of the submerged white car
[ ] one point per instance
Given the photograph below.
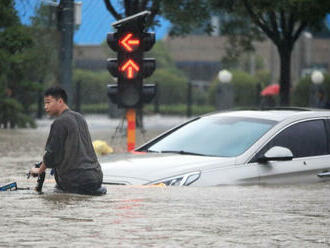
(238, 147)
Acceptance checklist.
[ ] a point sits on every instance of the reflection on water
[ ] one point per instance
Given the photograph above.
(231, 216)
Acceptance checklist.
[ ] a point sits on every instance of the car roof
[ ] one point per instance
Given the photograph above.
(277, 114)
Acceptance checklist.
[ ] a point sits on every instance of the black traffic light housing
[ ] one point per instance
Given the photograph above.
(130, 67)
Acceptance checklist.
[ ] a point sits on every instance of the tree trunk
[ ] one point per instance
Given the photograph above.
(285, 77)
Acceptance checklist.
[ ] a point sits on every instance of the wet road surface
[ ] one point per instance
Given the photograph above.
(136, 216)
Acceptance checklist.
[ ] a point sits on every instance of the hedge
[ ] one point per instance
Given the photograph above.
(302, 93)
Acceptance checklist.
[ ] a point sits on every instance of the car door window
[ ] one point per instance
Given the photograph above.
(304, 139)
(328, 132)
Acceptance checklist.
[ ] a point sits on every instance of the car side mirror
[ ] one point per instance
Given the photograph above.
(276, 153)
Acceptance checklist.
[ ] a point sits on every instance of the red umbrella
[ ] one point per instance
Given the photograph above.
(270, 90)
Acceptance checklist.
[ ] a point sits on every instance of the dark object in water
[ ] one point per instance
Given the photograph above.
(41, 178)
(9, 187)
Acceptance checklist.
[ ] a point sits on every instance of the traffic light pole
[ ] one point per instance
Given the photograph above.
(65, 27)
(130, 41)
(131, 127)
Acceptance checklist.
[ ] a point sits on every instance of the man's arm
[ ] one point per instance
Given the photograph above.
(55, 145)
(37, 171)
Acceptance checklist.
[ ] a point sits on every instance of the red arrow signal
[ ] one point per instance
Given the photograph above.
(130, 68)
(128, 43)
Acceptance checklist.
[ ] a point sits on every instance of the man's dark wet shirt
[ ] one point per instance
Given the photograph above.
(70, 151)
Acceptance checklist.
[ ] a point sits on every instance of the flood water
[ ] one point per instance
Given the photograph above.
(136, 216)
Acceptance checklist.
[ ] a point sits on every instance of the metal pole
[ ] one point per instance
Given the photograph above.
(189, 99)
(258, 98)
(66, 47)
(131, 122)
(40, 104)
(156, 102)
(78, 95)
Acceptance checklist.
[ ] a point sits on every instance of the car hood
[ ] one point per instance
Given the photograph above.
(144, 168)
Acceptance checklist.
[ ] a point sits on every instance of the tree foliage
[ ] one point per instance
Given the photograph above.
(281, 21)
(14, 86)
(26, 56)
(185, 15)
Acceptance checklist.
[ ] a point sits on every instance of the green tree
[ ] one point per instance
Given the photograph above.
(44, 54)
(46, 44)
(28, 56)
(281, 21)
(14, 87)
(178, 12)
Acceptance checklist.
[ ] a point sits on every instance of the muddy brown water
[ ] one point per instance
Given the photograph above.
(137, 216)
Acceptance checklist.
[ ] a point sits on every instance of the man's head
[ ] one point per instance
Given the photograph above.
(55, 100)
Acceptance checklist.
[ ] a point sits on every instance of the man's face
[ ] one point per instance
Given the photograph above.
(52, 105)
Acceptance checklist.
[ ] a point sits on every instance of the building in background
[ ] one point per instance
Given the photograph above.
(199, 56)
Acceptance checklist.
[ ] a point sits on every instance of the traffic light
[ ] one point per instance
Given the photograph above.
(130, 67)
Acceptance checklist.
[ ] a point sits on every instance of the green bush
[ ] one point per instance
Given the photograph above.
(300, 96)
(100, 108)
(245, 89)
(172, 83)
(172, 86)
(200, 96)
(263, 77)
(93, 86)
(162, 55)
(301, 93)
(244, 86)
(11, 114)
(178, 109)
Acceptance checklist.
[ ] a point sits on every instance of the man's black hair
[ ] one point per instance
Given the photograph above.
(57, 92)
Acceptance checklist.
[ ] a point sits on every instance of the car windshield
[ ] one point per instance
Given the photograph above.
(223, 137)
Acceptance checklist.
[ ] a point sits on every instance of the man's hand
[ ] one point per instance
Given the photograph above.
(37, 170)
(34, 171)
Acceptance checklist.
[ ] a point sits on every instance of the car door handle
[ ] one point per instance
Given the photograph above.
(324, 174)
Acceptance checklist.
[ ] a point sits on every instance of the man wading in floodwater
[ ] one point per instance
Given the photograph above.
(69, 148)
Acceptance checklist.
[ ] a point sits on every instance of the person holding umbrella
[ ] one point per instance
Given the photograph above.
(268, 94)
